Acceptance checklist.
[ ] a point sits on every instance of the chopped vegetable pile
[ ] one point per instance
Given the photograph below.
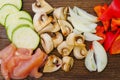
(65, 29)
(110, 32)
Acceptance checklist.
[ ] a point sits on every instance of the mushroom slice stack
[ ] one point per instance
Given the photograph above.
(42, 5)
(57, 38)
(46, 42)
(49, 41)
(67, 63)
(53, 64)
(75, 39)
(41, 20)
(66, 27)
(64, 49)
(60, 13)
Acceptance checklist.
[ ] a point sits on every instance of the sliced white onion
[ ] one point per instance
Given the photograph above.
(100, 55)
(90, 62)
(91, 37)
(86, 15)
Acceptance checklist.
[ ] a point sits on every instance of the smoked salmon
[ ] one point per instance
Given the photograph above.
(20, 63)
(25, 67)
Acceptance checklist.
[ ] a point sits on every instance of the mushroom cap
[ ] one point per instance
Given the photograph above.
(66, 27)
(46, 42)
(80, 52)
(52, 64)
(42, 5)
(67, 63)
(41, 20)
(57, 38)
(75, 39)
(60, 13)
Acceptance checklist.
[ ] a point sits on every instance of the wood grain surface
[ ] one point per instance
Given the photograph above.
(78, 72)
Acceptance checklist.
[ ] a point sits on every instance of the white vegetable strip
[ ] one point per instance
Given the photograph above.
(92, 26)
(91, 37)
(78, 17)
(86, 15)
(76, 31)
(84, 24)
(78, 25)
(90, 62)
(100, 55)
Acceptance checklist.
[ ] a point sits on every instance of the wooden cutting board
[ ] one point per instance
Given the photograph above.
(78, 72)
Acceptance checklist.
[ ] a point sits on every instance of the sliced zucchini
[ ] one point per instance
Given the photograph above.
(6, 10)
(17, 3)
(13, 18)
(25, 37)
(16, 23)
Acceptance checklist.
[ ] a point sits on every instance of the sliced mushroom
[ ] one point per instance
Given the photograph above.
(64, 49)
(67, 63)
(56, 25)
(47, 28)
(75, 39)
(57, 38)
(41, 20)
(60, 13)
(79, 52)
(50, 28)
(42, 5)
(46, 42)
(53, 64)
(66, 27)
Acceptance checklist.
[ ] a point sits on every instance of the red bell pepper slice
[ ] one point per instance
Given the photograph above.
(103, 36)
(110, 37)
(113, 11)
(115, 23)
(100, 29)
(99, 11)
(100, 32)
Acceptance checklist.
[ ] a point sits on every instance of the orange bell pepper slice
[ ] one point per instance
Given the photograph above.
(99, 11)
(115, 48)
(115, 23)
